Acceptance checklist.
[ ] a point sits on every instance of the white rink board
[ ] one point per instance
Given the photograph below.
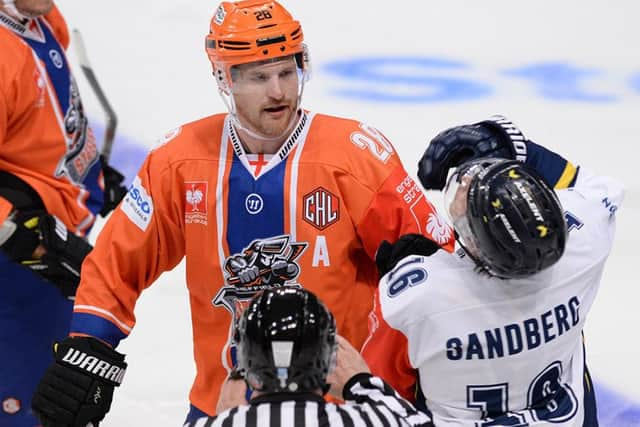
(150, 59)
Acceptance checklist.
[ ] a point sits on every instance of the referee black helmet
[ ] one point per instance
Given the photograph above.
(286, 341)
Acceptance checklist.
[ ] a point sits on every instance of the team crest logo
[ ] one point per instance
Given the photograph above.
(264, 264)
(82, 152)
(321, 208)
(195, 210)
(438, 228)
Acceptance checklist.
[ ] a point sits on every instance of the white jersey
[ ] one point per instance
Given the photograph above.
(494, 352)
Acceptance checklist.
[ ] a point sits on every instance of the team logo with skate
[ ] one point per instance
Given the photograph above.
(264, 264)
(438, 228)
(195, 210)
(82, 152)
(11, 405)
(321, 208)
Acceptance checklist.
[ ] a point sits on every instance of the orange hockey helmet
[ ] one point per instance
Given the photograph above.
(251, 31)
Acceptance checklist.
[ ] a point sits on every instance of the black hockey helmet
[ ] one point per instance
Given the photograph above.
(286, 341)
(514, 224)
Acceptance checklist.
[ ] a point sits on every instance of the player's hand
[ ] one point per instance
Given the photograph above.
(249, 275)
(114, 191)
(42, 243)
(495, 137)
(232, 393)
(77, 388)
(348, 363)
(388, 254)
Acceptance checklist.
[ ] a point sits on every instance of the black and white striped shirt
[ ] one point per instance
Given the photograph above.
(369, 401)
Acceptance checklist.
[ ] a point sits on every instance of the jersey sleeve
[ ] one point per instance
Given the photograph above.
(557, 171)
(142, 239)
(395, 203)
(363, 389)
(386, 352)
(593, 201)
(4, 108)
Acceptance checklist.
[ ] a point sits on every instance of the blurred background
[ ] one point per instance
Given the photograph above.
(568, 73)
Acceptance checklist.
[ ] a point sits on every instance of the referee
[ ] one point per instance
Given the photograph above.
(286, 346)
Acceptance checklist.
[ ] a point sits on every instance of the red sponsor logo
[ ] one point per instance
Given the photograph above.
(321, 208)
(195, 209)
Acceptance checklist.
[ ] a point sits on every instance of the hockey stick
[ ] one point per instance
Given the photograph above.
(112, 119)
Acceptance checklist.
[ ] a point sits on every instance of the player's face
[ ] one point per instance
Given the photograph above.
(33, 8)
(458, 206)
(456, 202)
(266, 95)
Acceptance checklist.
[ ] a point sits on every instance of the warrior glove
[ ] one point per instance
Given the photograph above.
(27, 233)
(495, 137)
(77, 388)
(389, 254)
(114, 191)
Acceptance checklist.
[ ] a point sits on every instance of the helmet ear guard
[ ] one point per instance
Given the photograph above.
(286, 341)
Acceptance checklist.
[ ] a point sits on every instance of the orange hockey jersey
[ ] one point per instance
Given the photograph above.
(45, 139)
(313, 215)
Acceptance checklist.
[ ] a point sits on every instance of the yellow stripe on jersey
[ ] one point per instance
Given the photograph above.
(567, 176)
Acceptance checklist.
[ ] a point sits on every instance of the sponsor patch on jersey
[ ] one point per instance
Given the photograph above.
(438, 228)
(321, 208)
(138, 205)
(11, 405)
(195, 209)
(254, 203)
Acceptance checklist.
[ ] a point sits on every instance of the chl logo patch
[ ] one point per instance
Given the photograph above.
(321, 208)
(195, 209)
(11, 405)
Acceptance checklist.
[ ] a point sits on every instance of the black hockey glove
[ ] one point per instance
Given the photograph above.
(388, 254)
(63, 251)
(114, 191)
(77, 388)
(495, 137)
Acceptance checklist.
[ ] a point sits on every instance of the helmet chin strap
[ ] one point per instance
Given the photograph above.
(238, 125)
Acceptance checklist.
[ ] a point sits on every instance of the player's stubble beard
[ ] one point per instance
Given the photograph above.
(34, 8)
(258, 124)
